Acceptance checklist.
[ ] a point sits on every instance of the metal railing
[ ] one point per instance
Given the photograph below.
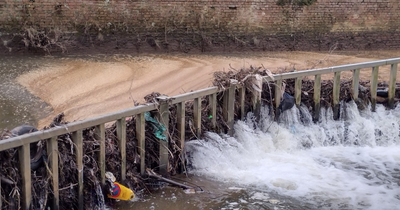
(355, 68)
(23, 142)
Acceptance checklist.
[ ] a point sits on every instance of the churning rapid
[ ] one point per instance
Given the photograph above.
(351, 163)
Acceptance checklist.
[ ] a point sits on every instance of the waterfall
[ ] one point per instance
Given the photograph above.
(350, 163)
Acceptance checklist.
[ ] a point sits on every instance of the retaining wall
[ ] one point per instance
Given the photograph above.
(206, 24)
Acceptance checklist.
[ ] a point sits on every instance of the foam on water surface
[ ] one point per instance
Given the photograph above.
(352, 163)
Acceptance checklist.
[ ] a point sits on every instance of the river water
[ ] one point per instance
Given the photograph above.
(17, 105)
(352, 163)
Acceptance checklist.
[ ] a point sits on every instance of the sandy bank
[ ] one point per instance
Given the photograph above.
(83, 88)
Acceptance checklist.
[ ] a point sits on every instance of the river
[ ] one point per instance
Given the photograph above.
(17, 105)
(352, 163)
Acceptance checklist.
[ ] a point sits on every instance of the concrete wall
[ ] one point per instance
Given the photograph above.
(160, 23)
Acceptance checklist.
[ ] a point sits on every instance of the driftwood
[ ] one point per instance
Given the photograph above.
(153, 175)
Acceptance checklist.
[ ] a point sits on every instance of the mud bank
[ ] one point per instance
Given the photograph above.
(83, 87)
(62, 43)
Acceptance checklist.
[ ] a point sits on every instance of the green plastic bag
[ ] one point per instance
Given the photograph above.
(158, 128)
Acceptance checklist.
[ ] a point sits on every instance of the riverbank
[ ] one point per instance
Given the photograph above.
(88, 86)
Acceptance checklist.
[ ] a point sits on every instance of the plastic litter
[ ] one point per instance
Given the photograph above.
(118, 191)
(287, 102)
(158, 128)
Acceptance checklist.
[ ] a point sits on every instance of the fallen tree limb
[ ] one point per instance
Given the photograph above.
(153, 175)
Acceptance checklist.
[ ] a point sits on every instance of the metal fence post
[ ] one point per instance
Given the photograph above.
(242, 98)
(180, 112)
(25, 167)
(355, 83)
(52, 151)
(229, 106)
(297, 90)
(213, 112)
(101, 138)
(317, 97)
(197, 116)
(163, 116)
(336, 92)
(78, 141)
(278, 97)
(121, 135)
(374, 86)
(140, 136)
(392, 85)
(256, 101)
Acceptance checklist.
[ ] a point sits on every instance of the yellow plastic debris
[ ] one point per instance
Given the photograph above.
(118, 190)
(121, 192)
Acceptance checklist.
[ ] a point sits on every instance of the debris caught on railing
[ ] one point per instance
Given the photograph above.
(158, 128)
(287, 102)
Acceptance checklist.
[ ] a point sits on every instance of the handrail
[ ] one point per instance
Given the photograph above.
(73, 126)
(194, 94)
(327, 70)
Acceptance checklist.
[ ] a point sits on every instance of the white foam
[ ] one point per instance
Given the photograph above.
(352, 162)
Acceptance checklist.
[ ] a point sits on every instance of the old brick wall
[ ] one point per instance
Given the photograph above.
(260, 23)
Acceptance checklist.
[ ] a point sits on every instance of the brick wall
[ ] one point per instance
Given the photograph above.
(208, 20)
(237, 15)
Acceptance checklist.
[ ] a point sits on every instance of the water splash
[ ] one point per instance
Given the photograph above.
(352, 163)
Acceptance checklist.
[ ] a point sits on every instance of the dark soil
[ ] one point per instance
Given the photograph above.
(39, 43)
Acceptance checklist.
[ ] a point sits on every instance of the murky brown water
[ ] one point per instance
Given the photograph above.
(17, 105)
(215, 195)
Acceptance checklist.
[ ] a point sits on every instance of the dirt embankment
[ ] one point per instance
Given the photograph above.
(84, 88)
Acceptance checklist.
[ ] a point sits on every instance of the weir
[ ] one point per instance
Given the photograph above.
(162, 105)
